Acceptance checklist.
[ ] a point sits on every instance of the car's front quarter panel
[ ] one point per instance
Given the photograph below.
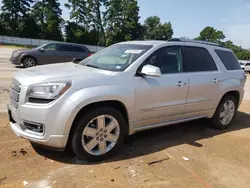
(122, 92)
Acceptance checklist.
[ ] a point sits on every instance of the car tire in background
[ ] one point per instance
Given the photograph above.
(29, 62)
(99, 134)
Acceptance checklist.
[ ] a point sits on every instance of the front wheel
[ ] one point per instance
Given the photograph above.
(99, 134)
(29, 62)
(225, 113)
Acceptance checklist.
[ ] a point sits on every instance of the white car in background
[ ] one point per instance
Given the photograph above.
(242, 64)
(246, 67)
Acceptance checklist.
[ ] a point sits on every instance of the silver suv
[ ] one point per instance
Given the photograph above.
(125, 88)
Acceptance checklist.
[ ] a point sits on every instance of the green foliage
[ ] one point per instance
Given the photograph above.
(155, 30)
(121, 20)
(14, 11)
(210, 34)
(47, 13)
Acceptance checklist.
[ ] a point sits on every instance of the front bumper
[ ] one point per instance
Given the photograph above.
(15, 60)
(54, 141)
(56, 119)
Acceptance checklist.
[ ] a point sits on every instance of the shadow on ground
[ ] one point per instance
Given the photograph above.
(19, 66)
(155, 140)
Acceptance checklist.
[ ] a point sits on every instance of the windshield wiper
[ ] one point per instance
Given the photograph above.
(93, 66)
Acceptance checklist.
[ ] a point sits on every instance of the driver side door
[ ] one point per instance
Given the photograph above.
(161, 99)
(49, 54)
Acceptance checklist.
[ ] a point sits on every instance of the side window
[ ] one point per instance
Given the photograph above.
(50, 47)
(168, 59)
(228, 59)
(198, 59)
(248, 64)
(79, 49)
(65, 48)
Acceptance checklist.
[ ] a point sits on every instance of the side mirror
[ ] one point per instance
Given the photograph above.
(41, 49)
(150, 70)
(76, 60)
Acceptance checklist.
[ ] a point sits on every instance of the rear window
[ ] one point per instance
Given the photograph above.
(228, 59)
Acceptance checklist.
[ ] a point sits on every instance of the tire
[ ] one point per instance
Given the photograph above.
(29, 62)
(89, 122)
(218, 119)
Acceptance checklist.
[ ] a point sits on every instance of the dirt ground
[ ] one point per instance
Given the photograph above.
(184, 155)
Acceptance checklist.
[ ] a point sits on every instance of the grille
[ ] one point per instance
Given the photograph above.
(15, 90)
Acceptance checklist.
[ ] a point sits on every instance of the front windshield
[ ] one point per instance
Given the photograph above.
(39, 47)
(116, 57)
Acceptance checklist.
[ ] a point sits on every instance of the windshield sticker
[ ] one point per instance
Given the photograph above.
(133, 51)
(118, 67)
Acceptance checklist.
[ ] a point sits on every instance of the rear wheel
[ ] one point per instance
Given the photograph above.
(29, 62)
(99, 134)
(225, 112)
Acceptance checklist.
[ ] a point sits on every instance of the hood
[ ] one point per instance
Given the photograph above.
(58, 72)
(23, 51)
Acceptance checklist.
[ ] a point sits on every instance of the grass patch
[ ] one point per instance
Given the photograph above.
(16, 46)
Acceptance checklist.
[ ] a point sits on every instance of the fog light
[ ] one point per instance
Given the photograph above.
(35, 127)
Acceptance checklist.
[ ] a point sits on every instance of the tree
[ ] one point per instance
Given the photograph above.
(210, 34)
(153, 29)
(28, 28)
(79, 11)
(121, 20)
(48, 15)
(94, 7)
(14, 11)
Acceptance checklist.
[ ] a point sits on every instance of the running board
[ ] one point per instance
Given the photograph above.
(168, 123)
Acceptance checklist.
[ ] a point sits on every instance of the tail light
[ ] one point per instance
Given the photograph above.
(89, 54)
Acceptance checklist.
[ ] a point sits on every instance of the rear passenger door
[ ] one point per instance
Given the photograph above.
(65, 53)
(204, 80)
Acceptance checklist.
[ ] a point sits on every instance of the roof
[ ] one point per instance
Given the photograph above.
(145, 42)
(178, 42)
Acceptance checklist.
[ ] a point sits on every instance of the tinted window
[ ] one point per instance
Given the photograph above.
(79, 49)
(197, 60)
(65, 48)
(168, 59)
(228, 59)
(50, 47)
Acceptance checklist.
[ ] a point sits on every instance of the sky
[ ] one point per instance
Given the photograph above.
(189, 17)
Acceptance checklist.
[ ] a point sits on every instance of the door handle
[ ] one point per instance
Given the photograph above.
(180, 84)
(216, 81)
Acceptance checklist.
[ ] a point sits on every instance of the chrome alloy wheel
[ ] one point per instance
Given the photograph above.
(227, 112)
(100, 135)
(29, 62)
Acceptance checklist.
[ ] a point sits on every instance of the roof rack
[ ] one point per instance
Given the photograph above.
(195, 41)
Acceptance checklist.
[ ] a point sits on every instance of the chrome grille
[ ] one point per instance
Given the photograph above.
(15, 93)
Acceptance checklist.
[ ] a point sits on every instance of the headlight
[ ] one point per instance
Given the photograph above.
(48, 90)
(15, 54)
